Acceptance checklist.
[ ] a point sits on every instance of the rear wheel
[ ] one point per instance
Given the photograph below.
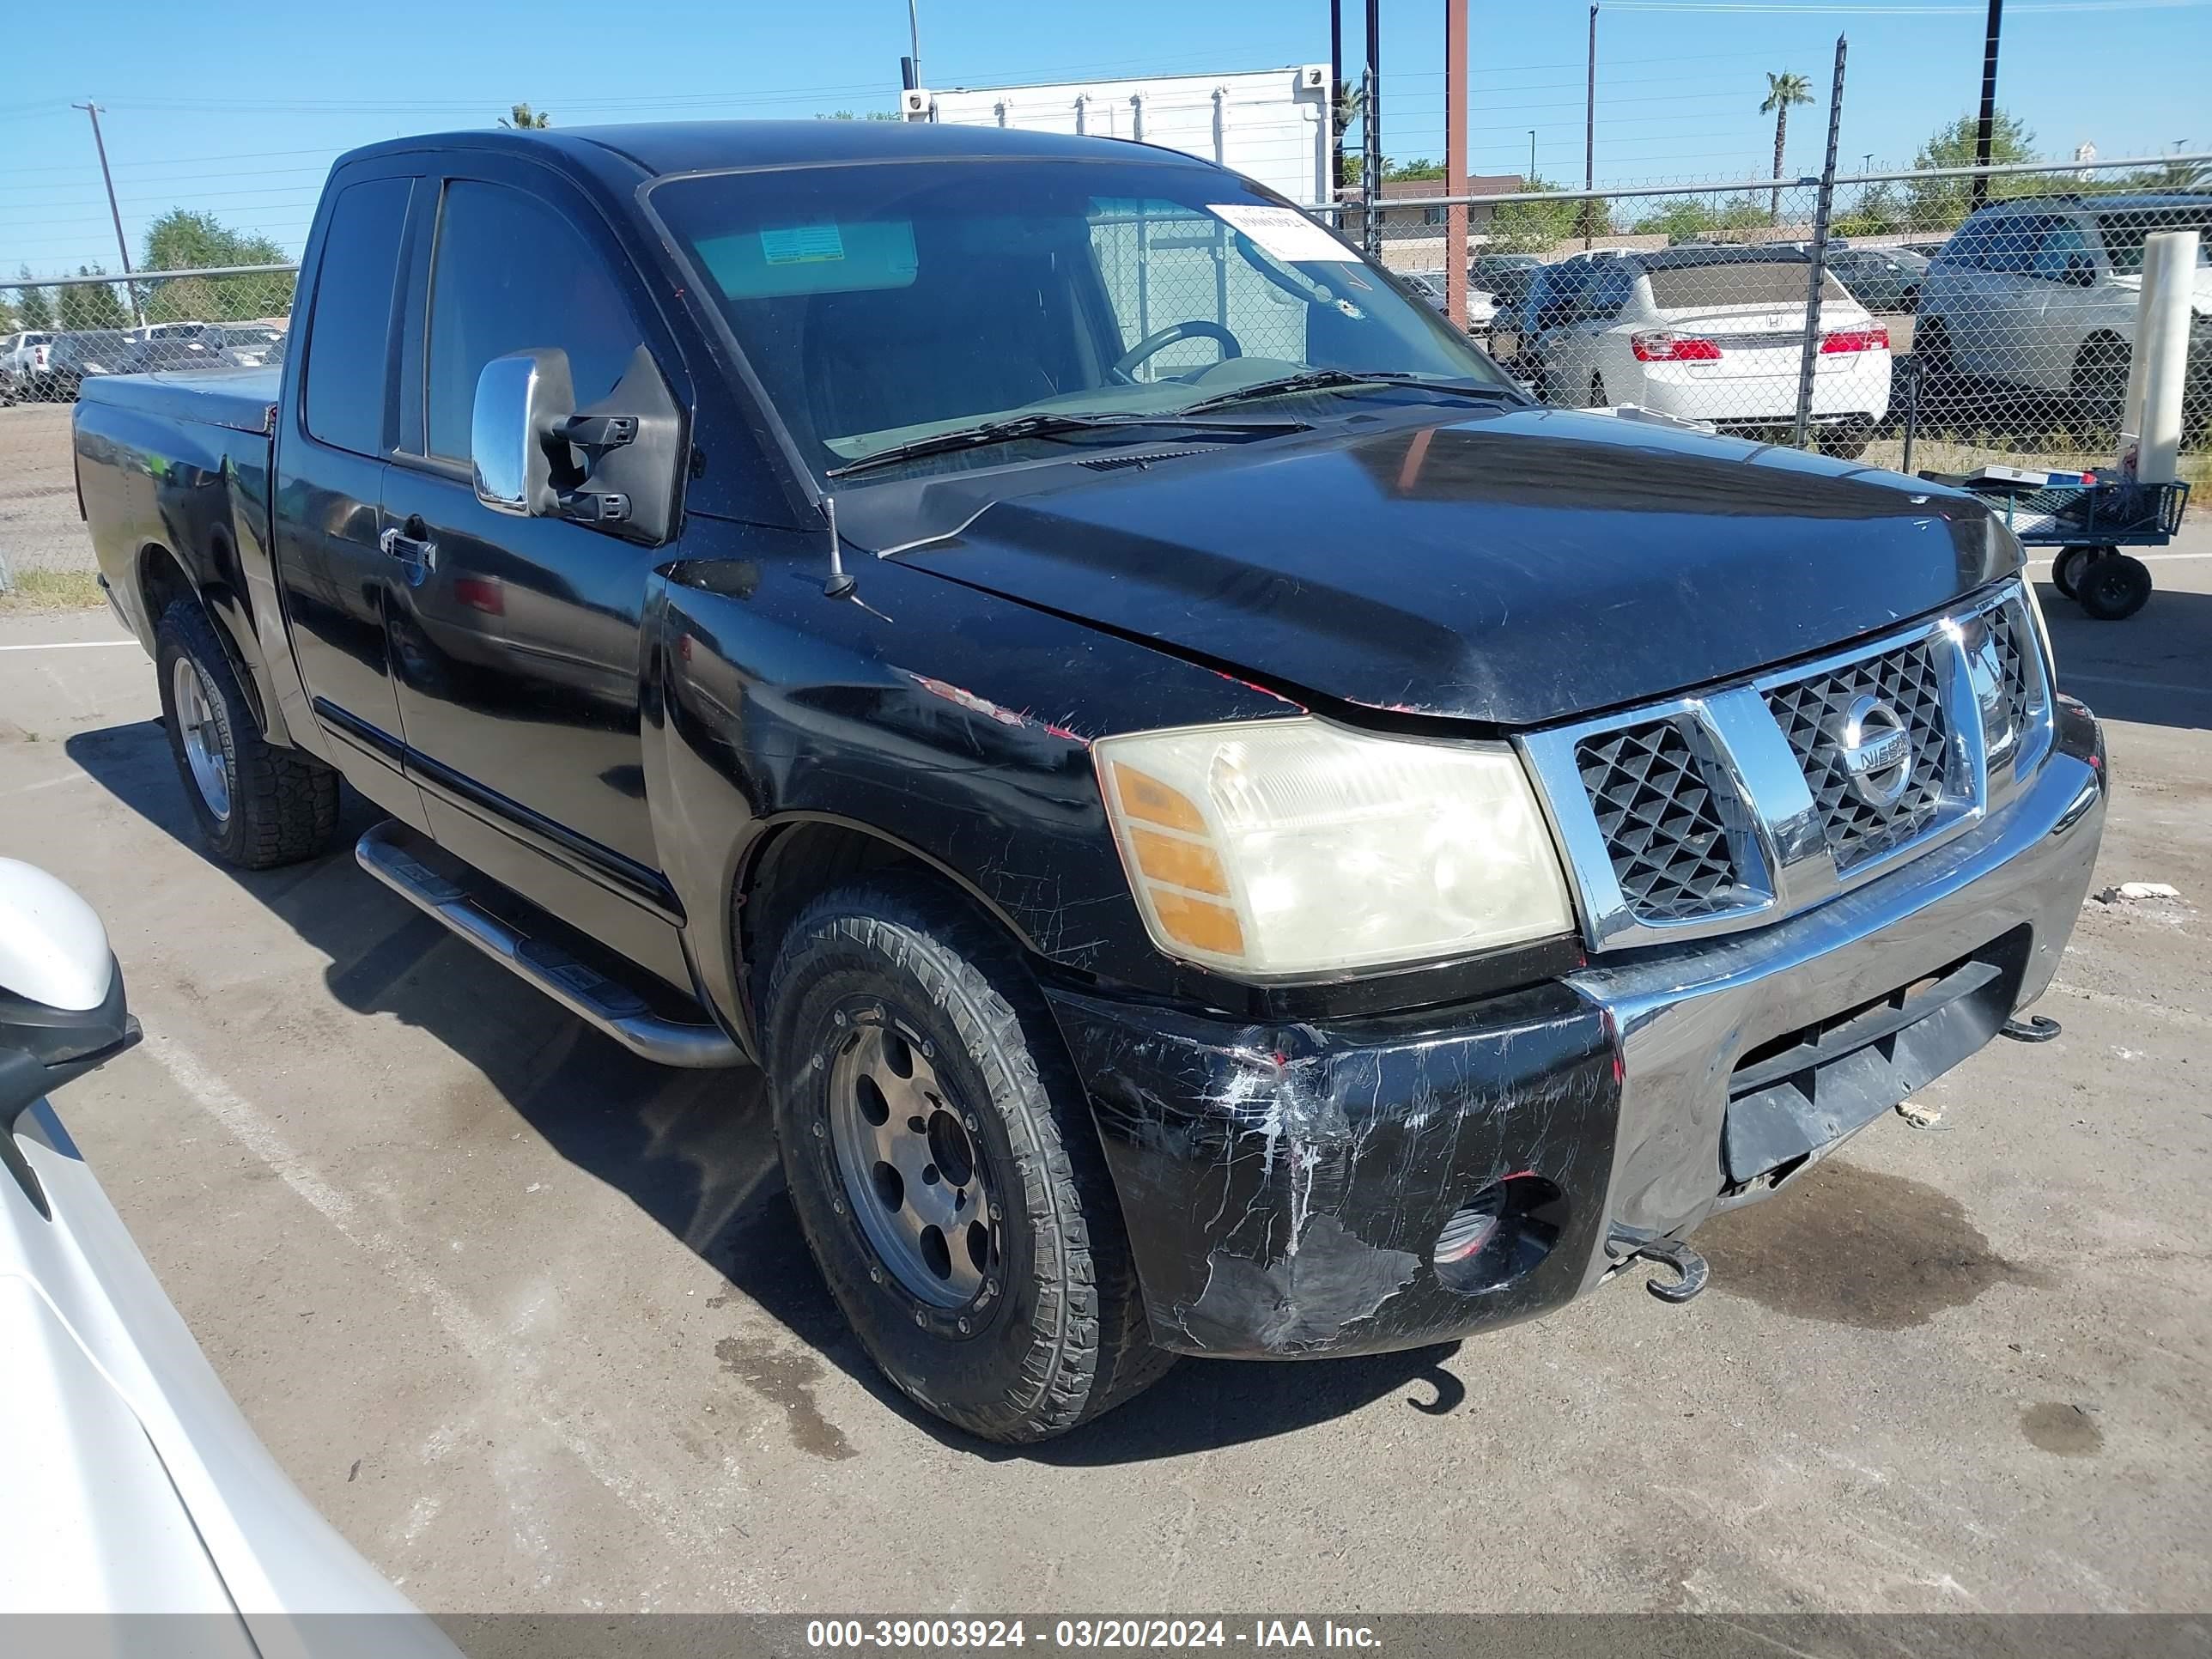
(2066, 569)
(257, 804)
(1931, 355)
(943, 1166)
(2115, 587)
(1847, 440)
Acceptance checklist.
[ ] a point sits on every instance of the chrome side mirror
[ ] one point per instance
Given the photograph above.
(519, 398)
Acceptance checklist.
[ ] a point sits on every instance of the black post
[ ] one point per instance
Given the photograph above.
(1823, 207)
(1979, 189)
(1371, 122)
(114, 213)
(1589, 133)
(1336, 110)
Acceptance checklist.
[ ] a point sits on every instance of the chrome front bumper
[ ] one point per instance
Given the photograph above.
(1685, 1016)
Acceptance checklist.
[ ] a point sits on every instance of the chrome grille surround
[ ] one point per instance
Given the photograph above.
(1732, 807)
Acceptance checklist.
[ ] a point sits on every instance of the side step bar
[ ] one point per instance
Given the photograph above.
(581, 990)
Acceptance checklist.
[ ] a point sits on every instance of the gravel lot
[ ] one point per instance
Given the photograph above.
(39, 529)
(530, 1320)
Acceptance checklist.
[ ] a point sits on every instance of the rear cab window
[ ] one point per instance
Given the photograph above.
(349, 348)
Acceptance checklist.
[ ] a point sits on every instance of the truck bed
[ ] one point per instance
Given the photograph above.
(239, 398)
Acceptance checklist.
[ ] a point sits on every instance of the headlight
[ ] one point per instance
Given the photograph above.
(1290, 847)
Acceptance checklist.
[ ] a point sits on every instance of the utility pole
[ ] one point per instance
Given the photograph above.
(1532, 156)
(1456, 97)
(1589, 132)
(114, 212)
(1370, 123)
(1979, 191)
(1336, 111)
(914, 38)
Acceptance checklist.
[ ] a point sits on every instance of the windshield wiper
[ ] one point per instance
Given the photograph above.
(1327, 379)
(1043, 425)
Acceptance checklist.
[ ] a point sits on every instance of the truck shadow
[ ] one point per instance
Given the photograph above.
(2152, 669)
(692, 1151)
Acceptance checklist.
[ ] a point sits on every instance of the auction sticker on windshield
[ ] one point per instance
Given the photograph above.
(1282, 233)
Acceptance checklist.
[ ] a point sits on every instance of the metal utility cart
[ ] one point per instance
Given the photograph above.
(2088, 518)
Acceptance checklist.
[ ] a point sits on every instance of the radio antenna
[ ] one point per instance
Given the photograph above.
(840, 586)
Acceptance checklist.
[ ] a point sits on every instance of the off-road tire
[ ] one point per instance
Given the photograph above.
(1065, 1337)
(283, 806)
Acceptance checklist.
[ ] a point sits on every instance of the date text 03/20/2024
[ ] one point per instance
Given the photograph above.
(982, 1634)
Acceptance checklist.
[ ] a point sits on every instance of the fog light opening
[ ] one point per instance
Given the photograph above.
(1499, 1235)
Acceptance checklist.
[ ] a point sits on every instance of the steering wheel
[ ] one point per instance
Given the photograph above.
(1160, 339)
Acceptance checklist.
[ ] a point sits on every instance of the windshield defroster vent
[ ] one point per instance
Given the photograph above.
(1115, 462)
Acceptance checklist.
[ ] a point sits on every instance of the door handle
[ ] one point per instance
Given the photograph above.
(411, 544)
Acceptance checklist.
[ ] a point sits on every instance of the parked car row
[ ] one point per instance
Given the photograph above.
(2035, 299)
(50, 365)
(1705, 333)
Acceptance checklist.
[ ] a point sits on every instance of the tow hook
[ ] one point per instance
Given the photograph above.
(1691, 1271)
(2036, 1027)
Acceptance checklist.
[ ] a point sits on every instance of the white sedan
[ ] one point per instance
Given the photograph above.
(1712, 334)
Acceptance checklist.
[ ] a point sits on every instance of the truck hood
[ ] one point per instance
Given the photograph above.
(2200, 295)
(1512, 568)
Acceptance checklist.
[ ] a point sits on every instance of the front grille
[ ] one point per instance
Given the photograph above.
(2017, 677)
(1661, 826)
(1690, 816)
(1812, 712)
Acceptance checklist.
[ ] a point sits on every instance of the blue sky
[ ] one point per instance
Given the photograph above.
(238, 108)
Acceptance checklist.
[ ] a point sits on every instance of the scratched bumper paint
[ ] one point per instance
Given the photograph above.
(1284, 1186)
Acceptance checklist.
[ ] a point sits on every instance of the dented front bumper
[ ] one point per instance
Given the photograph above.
(1285, 1186)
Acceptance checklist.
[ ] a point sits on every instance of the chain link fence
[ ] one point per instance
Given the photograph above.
(1963, 317)
(56, 333)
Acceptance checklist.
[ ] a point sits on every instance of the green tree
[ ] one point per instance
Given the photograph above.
(1420, 168)
(35, 305)
(89, 305)
(1538, 227)
(521, 118)
(1783, 91)
(866, 115)
(1940, 203)
(1878, 212)
(186, 239)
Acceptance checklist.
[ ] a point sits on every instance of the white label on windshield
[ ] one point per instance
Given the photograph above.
(1282, 233)
(801, 245)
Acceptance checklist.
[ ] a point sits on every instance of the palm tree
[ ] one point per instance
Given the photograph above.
(1782, 91)
(522, 117)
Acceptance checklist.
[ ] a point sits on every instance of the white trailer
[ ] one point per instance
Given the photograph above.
(1271, 125)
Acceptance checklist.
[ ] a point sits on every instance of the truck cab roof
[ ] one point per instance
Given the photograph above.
(658, 148)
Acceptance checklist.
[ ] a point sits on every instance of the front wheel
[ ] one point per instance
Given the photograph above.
(257, 804)
(943, 1166)
(2113, 588)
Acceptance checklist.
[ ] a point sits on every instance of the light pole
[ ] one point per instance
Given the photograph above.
(122, 246)
(1532, 156)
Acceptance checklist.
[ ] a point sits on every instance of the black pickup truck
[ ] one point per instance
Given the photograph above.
(1229, 829)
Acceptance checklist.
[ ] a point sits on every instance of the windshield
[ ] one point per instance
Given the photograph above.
(2124, 233)
(886, 303)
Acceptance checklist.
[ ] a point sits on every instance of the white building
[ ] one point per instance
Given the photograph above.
(1271, 125)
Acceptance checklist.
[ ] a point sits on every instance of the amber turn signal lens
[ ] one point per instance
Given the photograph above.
(1144, 796)
(1179, 863)
(1198, 923)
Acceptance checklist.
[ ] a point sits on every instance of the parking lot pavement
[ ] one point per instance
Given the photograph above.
(531, 1321)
